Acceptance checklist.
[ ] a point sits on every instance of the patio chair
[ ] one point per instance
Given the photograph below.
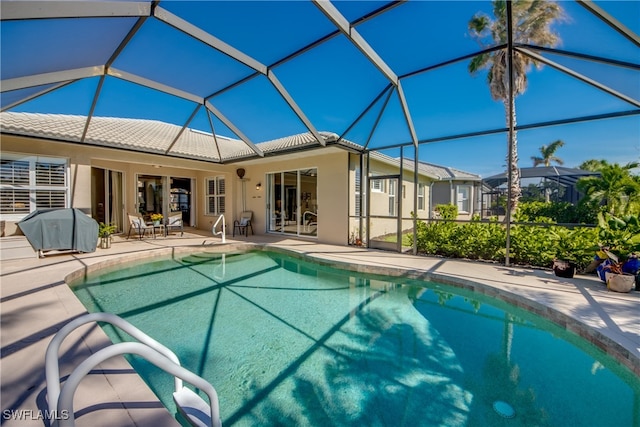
(136, 222)
(174, 221)
(243, 224)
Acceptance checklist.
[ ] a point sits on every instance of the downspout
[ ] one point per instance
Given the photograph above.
(452, 194)
(431, 199)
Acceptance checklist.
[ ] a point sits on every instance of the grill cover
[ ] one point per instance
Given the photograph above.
(60, 229)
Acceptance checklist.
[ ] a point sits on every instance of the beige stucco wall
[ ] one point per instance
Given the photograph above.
(82, 158)
(332, 165)
(333, 189)
(379, 201)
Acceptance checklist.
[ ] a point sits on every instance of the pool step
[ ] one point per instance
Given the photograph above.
(199, 258)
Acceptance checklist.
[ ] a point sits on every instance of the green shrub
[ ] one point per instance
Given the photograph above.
(558, 212)
(447, 211)
(532, 245)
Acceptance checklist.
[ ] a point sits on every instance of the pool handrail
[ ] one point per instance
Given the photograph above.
(223, 231)
(153, 348)
(65, 403)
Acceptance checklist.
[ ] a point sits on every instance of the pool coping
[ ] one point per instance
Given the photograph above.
(538, 292)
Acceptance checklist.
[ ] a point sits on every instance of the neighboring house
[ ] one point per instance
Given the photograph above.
(392, 195)
(297, 187)
(555, 183)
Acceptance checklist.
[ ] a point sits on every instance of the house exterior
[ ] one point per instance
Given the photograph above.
(297, 188)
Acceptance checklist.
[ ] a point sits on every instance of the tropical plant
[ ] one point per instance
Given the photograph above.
(593, 165)
(615, 189)
(447, 211)
(532, 22)
(105, 230)
(620, 234)
(548, 154)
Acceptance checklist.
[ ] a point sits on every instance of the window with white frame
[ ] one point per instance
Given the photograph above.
(420, 196)
(29, 183)
(215, 195)
(377, 185)
(463, 201)
(392, 197)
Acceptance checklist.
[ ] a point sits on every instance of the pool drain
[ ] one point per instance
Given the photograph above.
(504, 409)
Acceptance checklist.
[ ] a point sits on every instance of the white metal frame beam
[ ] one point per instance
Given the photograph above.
(579, 76)
(50, 78)
(215, 43)
(143, 81)
(610, 20)
(16, 10)
(233, 128)
(334, 15)
(34, 95)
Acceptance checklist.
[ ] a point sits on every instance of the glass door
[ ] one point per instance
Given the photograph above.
(292, 206)
(150, 195)
(107, 201)
(275, 214)
(180, 198)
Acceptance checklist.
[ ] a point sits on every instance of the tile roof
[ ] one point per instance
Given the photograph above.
(149, 136)
(430, 170)
(152, 136)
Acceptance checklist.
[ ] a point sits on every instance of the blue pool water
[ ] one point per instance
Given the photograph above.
(290, 342)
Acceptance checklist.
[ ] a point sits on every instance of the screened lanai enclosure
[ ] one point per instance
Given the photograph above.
(410, 82)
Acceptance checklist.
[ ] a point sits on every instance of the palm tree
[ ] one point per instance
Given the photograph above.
(532, 22)
(615, 188)
(548, 154)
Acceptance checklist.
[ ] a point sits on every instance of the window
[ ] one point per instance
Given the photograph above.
(392, 197)
(462, 198)
(215, 196)
(377, 185)
(420, 196)
(29, 183)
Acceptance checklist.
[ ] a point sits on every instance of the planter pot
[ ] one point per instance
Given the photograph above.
(105, 242)
(562, 268)
(156, 223)
(620, 282)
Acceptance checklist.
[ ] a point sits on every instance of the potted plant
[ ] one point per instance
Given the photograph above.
(619, 242)
(156, 218)
(568, 251)
(104, 233)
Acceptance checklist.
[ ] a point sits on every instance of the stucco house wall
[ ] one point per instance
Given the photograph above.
(332, 187)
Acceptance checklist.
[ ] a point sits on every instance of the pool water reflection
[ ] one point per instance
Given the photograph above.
(286, 341)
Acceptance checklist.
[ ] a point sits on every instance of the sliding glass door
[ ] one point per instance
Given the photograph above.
(107, 200)
(292, 206)
(166, 195)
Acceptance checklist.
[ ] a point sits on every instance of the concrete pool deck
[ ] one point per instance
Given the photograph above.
(35, 303)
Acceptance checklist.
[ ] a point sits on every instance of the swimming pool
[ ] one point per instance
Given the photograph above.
(286, 341)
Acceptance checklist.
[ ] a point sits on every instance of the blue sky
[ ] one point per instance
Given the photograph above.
(333, 83)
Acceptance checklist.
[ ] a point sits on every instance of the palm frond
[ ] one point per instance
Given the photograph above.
(479, 62)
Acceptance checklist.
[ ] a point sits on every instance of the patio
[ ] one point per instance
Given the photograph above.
(35, 303)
